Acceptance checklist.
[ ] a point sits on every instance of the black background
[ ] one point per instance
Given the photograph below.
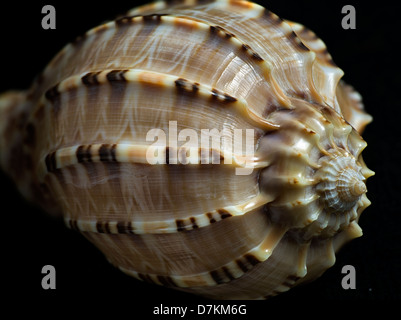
(30, 239)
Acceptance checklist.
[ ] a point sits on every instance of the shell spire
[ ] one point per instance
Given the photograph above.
(357, 188)
(342, 183)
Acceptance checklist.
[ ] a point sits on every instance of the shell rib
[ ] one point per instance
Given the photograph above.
(78, 144)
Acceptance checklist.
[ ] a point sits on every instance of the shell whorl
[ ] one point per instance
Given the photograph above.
(342, 183)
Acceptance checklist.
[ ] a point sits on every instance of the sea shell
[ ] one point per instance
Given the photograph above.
(261, 211)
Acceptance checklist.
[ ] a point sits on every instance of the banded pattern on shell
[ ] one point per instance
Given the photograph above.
(202, 218)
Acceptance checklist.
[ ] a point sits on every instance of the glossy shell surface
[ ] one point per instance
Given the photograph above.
(217, 221)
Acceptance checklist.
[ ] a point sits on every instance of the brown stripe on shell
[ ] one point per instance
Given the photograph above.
(107, 153)
(227, 273)
(271, 17)
(292, 36)
(52, 93)
(167, 156)
(125, 227)
(53, 96)
(130, 228)
(247, 262)
(155, 17)
(113, 152)
(180, 225)
(91, 79)
(222, 97)
(104, 152)
(50, 162)
(185, 86)
(225, 35)
(215, 93)
(228, 98)
(73, 224)
(195, 87)
(252, 259)
(123, 20)
(116, 75)
(145, 277)
(224, 274)
(217, 29)
(210, 216)
(247, 48)
(166, 281)
(224, 213)
(84, 154)
(121, 227)
(107, 227)
(241, 265)
(257, 57)
(186, 224)
(100, 227)
(216, 277)
(194, 224)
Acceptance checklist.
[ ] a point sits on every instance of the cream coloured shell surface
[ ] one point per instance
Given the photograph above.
(77, 143)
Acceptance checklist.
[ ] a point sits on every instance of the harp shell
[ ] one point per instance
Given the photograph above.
(208, 219)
